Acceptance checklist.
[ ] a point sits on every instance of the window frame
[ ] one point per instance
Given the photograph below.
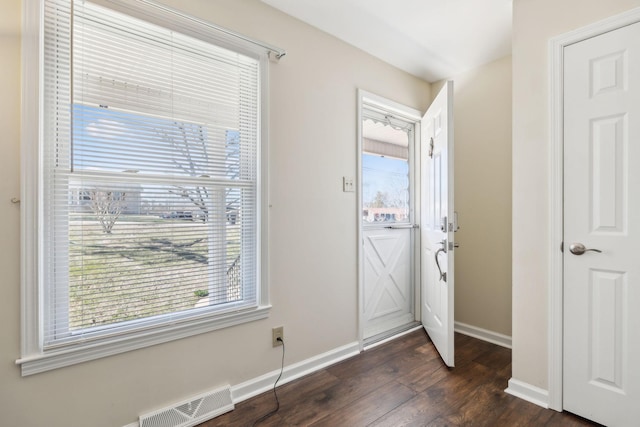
(34, 358)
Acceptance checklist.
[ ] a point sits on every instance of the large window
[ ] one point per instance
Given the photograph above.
(149, 184)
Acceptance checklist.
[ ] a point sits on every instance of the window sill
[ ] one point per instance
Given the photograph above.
(59, 358)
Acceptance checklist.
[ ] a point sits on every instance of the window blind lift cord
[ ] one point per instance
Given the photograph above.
(275, 394)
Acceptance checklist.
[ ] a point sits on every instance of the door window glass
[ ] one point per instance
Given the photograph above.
(385, 173)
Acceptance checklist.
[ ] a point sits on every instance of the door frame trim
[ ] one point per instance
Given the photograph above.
(556, 196)
(409, 114)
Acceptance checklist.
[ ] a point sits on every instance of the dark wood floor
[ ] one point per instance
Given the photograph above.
(403, 383)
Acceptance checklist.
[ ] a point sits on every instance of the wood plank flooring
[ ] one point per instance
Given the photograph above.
(403, 383)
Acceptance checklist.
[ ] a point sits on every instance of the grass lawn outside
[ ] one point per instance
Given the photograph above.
(147, 266)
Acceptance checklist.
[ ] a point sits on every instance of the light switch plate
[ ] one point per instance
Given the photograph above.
(347, 184)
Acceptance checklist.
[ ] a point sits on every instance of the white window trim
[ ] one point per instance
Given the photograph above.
(33, 358)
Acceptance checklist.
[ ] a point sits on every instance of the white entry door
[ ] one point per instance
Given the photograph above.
(438, 223)
(601, 351)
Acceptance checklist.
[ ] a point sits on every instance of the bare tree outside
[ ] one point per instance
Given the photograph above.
(107, 206)
(381, 200)
(191, 144)
(155, 245)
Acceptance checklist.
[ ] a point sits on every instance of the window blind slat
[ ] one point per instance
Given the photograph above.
(150, 165)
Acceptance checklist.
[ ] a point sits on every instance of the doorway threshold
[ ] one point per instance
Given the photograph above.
(389, 335)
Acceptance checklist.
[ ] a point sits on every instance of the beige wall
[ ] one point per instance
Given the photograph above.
(482, 120)
(534, 23)
(312, 251)
(10, 213)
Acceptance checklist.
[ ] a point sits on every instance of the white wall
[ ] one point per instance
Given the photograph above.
(534, 23)
(312, 232)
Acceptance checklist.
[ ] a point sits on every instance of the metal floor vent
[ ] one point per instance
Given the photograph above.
(190, 412)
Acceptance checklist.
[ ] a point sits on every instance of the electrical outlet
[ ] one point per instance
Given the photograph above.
(275, 334)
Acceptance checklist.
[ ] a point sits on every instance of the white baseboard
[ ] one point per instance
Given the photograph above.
(483, 334)
(528, 392)
(265, 382)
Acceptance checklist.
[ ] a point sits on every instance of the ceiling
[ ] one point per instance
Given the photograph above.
(431, 39)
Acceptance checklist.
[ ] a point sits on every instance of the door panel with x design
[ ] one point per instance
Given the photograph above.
(387, 266)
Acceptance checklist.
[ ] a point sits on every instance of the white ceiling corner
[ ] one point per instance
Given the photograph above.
(431, 39)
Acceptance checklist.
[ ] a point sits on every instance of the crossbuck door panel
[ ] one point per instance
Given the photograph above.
(388, 298)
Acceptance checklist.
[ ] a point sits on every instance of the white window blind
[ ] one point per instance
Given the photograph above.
(150, 175)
